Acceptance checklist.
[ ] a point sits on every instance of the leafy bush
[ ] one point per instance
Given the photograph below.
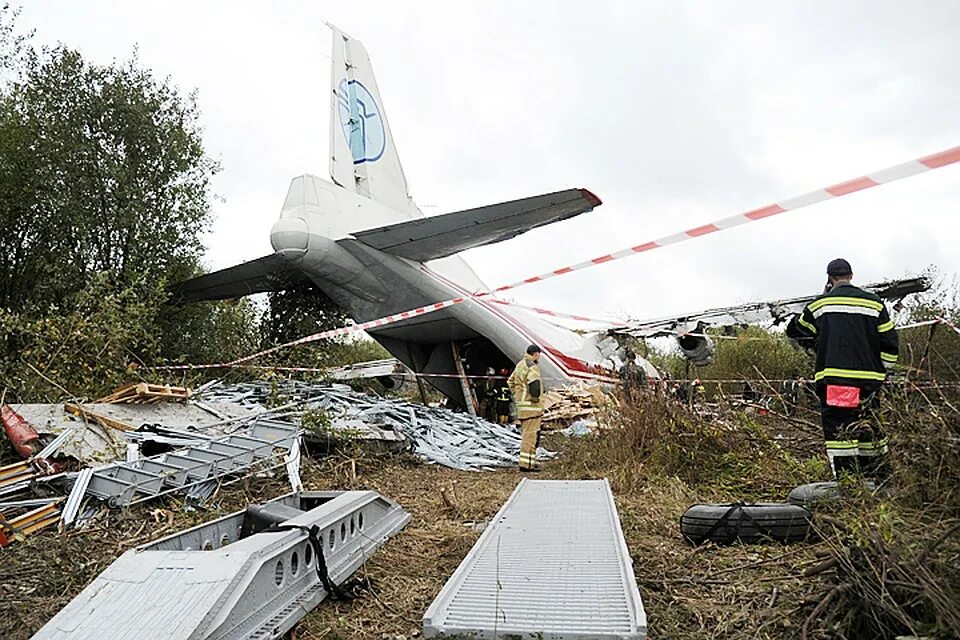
(83, 348)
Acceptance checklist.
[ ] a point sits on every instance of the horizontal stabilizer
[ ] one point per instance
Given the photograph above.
(269, 273)
(441, 236)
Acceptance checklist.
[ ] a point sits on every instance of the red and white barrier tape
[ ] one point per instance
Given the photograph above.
(949, 324)
(874, 179)
(404, 373)
(557, 314)
(323, 335)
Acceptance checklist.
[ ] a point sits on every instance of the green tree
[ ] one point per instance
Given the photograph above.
(757, 351)
(299, 312)
(304, 311)
(91, 345)
(932, 351)
(102, 169)
(104, 196)
(13, 44)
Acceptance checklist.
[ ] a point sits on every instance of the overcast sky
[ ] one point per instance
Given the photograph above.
(675, 114)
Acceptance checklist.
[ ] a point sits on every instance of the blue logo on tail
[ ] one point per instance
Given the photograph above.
(361, 122)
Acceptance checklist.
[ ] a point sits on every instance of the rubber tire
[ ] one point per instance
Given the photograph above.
(814, 492)
(748, 523)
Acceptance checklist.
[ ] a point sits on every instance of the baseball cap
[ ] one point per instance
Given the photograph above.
(839, 267)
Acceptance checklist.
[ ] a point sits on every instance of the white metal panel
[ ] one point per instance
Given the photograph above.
(552, 565)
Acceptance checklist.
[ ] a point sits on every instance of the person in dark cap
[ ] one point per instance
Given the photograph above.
(856, 346)
(632, 377)
(527, 388)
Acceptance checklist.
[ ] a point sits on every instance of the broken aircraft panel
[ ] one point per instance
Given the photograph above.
(250, 574)
(770, 313)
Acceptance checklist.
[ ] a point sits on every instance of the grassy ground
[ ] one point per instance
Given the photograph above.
(660, 463)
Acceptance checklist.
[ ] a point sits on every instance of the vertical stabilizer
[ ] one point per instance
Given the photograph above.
(363, 157)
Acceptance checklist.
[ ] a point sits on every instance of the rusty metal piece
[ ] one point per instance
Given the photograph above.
(22, 436)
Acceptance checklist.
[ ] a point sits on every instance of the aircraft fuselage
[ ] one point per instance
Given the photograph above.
(313, 235)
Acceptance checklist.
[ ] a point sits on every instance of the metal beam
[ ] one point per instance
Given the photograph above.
(125, 483)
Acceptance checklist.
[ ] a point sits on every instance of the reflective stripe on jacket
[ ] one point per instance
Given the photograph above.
(524, 373)
(855, 338)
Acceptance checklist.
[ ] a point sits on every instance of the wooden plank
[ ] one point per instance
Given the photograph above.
(144, 392)
(102, 420)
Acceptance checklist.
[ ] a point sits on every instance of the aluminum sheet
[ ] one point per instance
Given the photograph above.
(209, 583)
(552, 565)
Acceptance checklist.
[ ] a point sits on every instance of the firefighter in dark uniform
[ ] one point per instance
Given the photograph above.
(502, 396)
(856, 345)
(486, 394)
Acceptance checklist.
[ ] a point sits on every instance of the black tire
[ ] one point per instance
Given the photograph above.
(726, 523)
(814, 492)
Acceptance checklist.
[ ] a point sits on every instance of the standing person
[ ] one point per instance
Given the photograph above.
(856, 345)
(632, 376)
(527, 388)
(486, 392)
(502, 397)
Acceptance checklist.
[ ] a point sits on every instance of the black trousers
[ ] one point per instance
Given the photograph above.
(853, 436)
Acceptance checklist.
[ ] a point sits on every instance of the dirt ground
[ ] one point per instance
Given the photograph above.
(743, 591)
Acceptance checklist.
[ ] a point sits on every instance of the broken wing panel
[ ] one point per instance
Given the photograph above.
(770, 312)
(269, 273)
(444, 235)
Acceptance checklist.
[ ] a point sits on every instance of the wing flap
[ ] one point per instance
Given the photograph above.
(444, 235)
(269, 273)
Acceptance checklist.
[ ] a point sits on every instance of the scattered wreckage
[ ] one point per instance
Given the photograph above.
(255, 573)
(145, 441)
(434, 434)
(689, 329)
(251, 574)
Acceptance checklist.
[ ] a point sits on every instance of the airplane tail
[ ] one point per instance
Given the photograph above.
(363, 157)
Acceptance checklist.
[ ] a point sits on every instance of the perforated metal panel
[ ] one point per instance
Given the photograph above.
(552, 565)
(205, 584)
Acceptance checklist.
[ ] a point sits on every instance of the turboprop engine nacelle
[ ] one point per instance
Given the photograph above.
(697, 347)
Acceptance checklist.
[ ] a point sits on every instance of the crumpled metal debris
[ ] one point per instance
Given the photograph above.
(92, 444)
(436, 435)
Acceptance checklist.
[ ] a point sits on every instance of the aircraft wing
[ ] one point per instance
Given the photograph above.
(771, 312)
(269, 273)
(444, 235)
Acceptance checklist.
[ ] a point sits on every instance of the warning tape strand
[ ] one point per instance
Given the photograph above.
(557, 314)
(883, 176)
